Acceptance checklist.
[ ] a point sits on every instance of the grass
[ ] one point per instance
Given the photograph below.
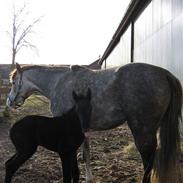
(34, 105)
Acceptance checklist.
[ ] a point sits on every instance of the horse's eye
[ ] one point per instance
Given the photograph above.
(13, 82)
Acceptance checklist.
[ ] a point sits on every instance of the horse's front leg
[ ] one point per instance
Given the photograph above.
(86, 158)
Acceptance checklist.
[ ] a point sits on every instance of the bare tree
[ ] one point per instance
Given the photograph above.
(21, 31)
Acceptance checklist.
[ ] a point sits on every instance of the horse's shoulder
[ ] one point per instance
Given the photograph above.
(76, 68)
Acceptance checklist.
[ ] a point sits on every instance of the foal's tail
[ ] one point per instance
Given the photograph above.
(166, 164)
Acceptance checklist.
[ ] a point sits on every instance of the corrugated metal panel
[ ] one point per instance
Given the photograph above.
(177, 46)
(177, 8)
(156, 5)
(115, 58)
(166, 11)
(122, 52)
(142, 38)
(158, 36)
(143, 26)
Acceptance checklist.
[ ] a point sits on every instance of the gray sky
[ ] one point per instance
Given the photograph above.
(71, 32)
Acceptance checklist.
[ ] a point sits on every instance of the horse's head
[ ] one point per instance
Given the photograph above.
(83, 108)
(19, 89)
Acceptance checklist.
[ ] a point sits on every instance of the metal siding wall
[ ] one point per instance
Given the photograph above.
(159, 36)
(125, 42)
(177, 46)
(122, 52)
(115, 57)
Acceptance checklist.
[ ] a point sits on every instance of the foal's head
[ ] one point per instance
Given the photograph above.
(83, 108)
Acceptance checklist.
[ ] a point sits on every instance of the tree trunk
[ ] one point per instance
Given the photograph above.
(13, 60)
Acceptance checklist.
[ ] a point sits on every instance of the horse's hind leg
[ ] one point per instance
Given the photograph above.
(145, 141)
(147, 151)
(147, 147)
(14, 163)
(147, 171)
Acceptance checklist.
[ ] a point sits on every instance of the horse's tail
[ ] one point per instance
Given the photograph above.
(166, 164)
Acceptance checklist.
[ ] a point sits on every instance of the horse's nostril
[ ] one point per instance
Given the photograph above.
(18, 104)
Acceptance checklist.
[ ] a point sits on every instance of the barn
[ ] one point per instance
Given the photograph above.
(151, 31)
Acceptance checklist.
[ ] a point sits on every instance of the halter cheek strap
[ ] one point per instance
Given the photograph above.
(18, 91)
(19, 85)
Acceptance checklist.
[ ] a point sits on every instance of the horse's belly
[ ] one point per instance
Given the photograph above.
(106, 121)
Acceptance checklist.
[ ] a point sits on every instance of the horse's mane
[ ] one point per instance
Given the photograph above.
(12, 75)
(28, 67)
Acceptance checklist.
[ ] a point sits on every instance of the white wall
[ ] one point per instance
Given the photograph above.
(121, 54)
(159, 36)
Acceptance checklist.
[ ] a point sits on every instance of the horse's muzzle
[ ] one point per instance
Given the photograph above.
(8, 101)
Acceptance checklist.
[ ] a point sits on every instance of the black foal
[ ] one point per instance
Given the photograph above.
(62, 134)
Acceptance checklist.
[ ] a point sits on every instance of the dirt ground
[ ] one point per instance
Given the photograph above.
(114, 158)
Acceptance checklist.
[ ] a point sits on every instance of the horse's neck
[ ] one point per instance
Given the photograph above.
(58, 86)
(45, 80)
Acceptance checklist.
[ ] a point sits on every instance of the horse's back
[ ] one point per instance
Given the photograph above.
(144, 89)
(143, 77)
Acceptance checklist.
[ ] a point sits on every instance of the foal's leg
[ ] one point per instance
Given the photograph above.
(14, 163)
(146, 142)
(75, 169)
(66, 166)
(9, 160)
(8, 175)
(86, 157)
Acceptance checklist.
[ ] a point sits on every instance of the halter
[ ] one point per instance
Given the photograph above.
(18, 91)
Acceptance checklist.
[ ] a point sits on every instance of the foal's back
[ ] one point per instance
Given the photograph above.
(49, 132)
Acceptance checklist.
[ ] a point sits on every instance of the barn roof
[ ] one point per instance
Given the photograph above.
(134, 9)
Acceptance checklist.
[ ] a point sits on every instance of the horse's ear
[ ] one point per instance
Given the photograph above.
(74, 95)
(18, 67)
(89, 93)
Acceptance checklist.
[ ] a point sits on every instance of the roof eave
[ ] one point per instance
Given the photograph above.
(134, 8)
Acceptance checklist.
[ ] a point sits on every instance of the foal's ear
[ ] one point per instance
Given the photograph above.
(74, 95)
(18, 67)
(89, 93)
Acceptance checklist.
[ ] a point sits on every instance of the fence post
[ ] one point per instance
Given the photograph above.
(1, 81)
(4, 89)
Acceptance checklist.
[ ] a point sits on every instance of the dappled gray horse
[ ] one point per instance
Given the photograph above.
(147, 97)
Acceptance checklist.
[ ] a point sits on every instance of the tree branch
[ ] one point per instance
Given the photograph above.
(20, 31)
(27, 31)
